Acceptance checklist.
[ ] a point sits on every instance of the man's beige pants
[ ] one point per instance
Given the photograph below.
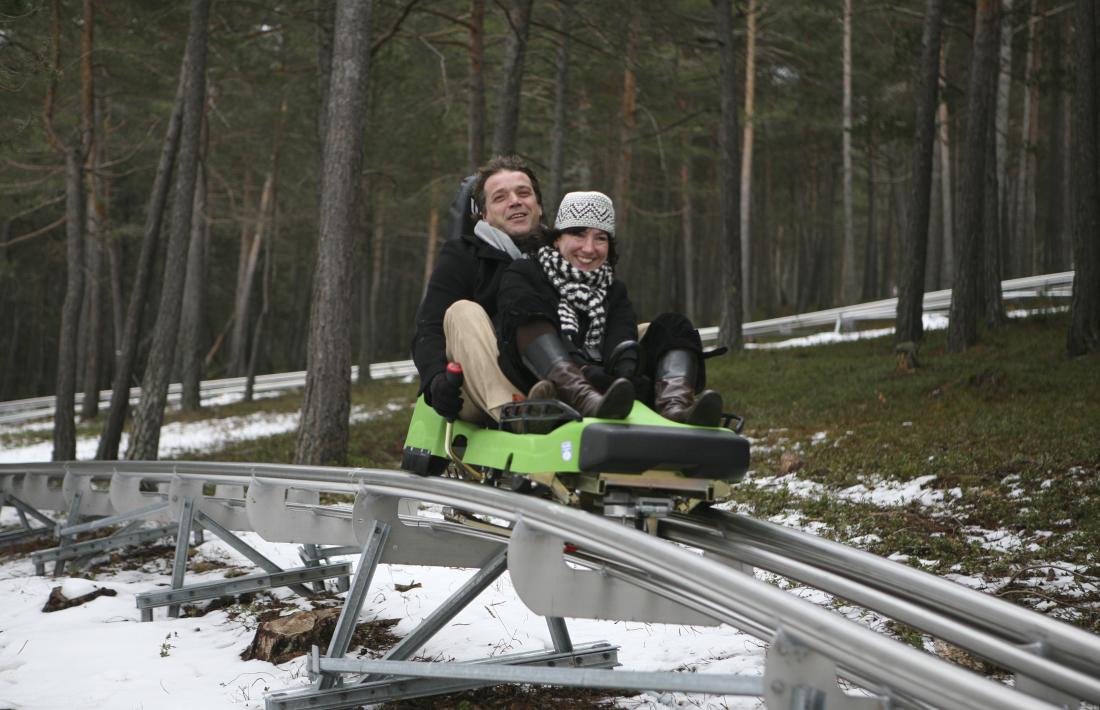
(472, 342)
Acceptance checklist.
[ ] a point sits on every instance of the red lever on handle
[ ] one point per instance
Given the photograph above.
(454, 374)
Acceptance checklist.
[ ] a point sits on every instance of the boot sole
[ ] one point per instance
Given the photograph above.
(706, 411)
(618, 400)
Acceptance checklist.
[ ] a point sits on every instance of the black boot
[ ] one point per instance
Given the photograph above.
(548, 358)
(674, 390)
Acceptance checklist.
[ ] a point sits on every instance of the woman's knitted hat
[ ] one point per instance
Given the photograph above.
(586, 209)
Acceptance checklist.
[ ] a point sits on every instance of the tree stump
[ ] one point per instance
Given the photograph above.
(907, 355)
(287, 637)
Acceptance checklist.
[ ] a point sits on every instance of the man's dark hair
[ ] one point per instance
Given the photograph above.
(499, 164)
(549, 236)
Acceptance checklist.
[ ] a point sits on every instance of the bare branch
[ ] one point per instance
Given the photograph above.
(36, 233)
(394, 29)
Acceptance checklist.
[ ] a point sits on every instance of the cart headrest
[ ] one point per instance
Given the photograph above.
(463, 213)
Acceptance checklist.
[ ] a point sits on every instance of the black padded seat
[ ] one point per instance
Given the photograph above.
(696, 452)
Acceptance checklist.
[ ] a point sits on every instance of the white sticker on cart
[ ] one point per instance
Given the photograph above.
(567, 451)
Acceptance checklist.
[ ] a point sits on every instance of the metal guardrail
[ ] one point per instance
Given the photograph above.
(1056, 285)
(629, 575)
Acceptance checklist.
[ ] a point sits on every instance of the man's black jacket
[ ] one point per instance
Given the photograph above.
(467, 269)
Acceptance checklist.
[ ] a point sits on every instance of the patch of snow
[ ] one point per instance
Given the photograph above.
(894, 493)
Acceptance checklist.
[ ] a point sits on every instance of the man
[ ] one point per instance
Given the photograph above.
(454, 321)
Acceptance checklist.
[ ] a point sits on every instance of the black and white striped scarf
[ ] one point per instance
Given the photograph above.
(579, 291)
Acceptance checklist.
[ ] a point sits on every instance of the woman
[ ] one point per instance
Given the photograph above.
(565, 319)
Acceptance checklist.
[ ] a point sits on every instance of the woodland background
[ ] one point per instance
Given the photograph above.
(208, 189)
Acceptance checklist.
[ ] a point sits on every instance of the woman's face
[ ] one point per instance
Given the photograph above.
(586, 251)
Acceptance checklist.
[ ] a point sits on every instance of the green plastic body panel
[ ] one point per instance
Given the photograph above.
(558, 451)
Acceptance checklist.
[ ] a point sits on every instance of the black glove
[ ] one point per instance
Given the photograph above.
(446, 397)
(624, 359)
(597, 376)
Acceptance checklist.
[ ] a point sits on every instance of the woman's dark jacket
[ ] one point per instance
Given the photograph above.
(526, 295)
(467, 269)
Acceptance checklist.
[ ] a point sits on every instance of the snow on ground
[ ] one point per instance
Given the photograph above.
(108, 659)
(101, 655)
(178, 439)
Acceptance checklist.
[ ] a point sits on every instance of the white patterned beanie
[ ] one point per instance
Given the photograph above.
(586, 209)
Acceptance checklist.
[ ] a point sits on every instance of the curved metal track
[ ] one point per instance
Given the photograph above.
(568, 563)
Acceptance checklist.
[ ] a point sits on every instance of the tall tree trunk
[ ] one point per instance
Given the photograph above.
(947, 178)
(993, 258)
(1004, 103)
(367, 326)
(1068, 190)
(519, 21)
(826, 247)
(433, 237)
(561, 98)
(767, 261)
(373, 255)
(729, 191)
(475, 123)
(1084, 328)
(748, 285)
(377, 270)
(323, 428)
(850, 279)
(247, 254)
(92, 323)
(1054, 231)
(895, 205)
(253, 241)
(326, 29)
(910, 325)
(261, 317)
(934, 267)
(687, 235)
(962, 331)
(64, 433)
(64, 429)
(191, 347)
(627, 123)
(127, 352)
(149, 414)
(870, 256)
(93, 219)
(1022, 245)
(807, 229)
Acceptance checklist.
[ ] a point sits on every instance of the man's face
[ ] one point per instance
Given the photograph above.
(510, 203)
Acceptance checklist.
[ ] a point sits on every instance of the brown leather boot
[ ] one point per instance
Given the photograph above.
(543, 389)
(575, 390)
(549, 359)
(674, 391)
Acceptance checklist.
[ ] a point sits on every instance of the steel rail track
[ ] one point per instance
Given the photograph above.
(1026, 643)
(1064, 658)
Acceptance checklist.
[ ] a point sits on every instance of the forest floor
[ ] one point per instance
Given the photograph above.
(981, 467)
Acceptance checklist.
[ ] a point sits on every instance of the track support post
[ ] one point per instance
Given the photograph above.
(353, 603)
(796, 677)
